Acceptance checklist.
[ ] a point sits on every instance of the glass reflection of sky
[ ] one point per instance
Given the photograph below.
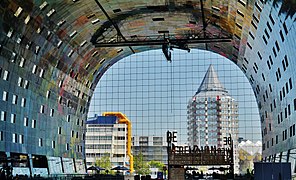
(153, 93)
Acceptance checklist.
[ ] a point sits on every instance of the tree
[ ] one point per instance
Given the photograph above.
(156, 164)
(140, 165)
(104, 162)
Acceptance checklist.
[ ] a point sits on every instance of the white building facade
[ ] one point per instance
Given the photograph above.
(105, 136)
(212, 115)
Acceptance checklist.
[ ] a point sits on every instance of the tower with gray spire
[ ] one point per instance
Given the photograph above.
(212, 114)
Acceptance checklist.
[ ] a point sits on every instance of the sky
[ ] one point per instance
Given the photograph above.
(153, 93)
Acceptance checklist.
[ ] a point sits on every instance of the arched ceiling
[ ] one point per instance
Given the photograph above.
(66, 30)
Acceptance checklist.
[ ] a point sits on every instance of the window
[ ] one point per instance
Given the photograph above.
(276, 139)
(26, 84)
(41, 73)
(1, 136)
(20, 82)
(72, 133)
(51, 112)
(33, 123)
(18, 11)
(3, 115)
(282, 36)
(21, 139)
(23, 103)
(14, 99)
(285, 28)
(22, 62)
(12, 118)
(290, 83)
(5, 96)
(47, 94)
(42, 109)
(26, 121)
(14, 138)
(6, 75)
(274, 52)
(40, 142)
(67, 146)
(59, 130)
(277, 46)
(271, 19)
(34, 69)
(53, 144)
(68, 118)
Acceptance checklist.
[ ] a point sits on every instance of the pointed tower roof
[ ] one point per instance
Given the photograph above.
(211, 82)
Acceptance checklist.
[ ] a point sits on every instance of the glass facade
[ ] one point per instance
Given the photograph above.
(49, 65)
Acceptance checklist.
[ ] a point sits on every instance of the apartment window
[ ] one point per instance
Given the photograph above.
(5, 96)
(14, 138)
(6, 75)
(77, 123)
(40, 142)
(285, 28)
(67, 146)
(12, 118)
(271, 19)
(22, 62)
(47, 94)
(68, 118)
(3, 115)
(276, 139)
(295, 104)
(26, 121)
(264, 39)
(277, 46)
(21, 139)
(14, 99)
(23, 103)
(33, 123)
(26, 84)
(274, 52)
(59, 130)
(42, 109)
(60, 99)
(53, 144)
(290, 83)
(270, 88)
(77, 134)
(1, 136)
(72, 133)
(34, 69)
(293, 129)
(291, 132)
(41, 73)
(51, 112)
(20, 82)
(282, 36)
(289, 109)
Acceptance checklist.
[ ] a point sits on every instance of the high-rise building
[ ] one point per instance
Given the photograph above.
(106, 137)
(152, 148)
(212, 114)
